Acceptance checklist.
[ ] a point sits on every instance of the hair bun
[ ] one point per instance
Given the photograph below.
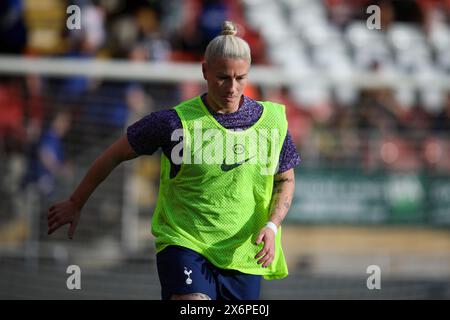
(228, 28)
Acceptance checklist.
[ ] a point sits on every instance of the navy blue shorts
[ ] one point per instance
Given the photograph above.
(184, 271)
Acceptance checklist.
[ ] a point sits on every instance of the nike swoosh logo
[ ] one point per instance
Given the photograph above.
(227, 167)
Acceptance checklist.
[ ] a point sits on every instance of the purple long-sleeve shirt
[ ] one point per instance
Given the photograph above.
(154, 131)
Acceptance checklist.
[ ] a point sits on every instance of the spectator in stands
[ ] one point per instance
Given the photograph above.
(187, 41)
(13, 33)
(298, 118)
(149, 39)
(377, 110)
(12, 145)
(441, 122)
(47, 160)
(36, 107)
(36, 111)
(211, 14)
(12, 133)
(139, 103)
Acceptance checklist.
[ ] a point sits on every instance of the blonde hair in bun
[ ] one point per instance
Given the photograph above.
(228, 45)
(228, 28)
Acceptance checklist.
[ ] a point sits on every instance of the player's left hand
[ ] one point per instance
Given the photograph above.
(267, 253)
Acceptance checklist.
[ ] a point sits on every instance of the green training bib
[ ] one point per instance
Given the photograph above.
(220, 199)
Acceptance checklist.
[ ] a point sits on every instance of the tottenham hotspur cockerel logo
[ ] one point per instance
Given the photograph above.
(188, 273)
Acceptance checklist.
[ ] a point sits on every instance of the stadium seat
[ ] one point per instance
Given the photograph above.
(440, 40)
(412, 52)
(369, 47)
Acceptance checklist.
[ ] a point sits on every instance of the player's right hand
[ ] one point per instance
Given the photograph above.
(63, 213)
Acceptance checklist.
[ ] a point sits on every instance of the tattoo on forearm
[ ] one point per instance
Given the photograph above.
(277, 218)
(281, 202)
(283, 180)
(287, 204)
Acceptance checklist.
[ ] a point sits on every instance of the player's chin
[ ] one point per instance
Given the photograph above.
(230, 103)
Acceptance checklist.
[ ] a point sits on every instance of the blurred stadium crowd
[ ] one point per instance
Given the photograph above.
(48, 123)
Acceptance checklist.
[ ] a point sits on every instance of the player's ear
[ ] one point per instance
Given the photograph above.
(204, 66)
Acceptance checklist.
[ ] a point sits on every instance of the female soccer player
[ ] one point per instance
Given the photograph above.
(227, 181)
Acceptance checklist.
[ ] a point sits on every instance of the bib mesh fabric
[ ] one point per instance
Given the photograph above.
(219, 201)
